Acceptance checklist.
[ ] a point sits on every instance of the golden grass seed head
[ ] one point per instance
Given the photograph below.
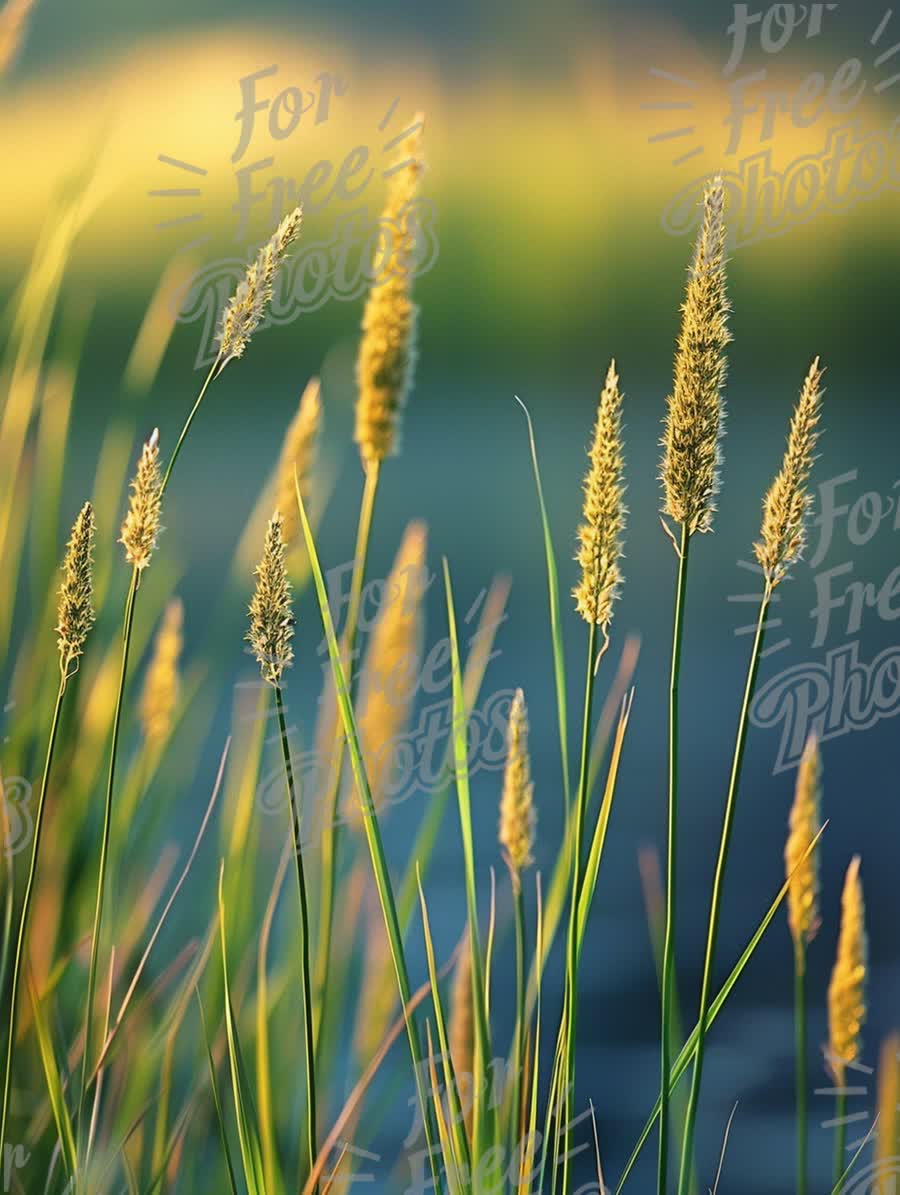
(601, 532)
(787, 504)
(75, 610)
(695, 416)
(804, 825)
(162, 682)
(299, 452)
(391, 666)
(271, 617)
(142, 522)
(847, 990)
(387, 351)
(887, 1139)
(245, 309)
(517, 813)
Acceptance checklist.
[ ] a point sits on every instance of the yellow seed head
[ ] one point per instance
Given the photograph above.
(517, 814)
(847, 990)
(600, 534)
(391, 667)
(141, 526)
(162, 683)
(299, 452)
(787, 503)
(247, 306)
(696, 409)
(887, 1138)
(387, 351)
(271, 617)
(75, 611)
(805, 823)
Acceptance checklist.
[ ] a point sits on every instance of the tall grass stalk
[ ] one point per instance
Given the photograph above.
(800, 1072)
(718, 887)
(667, 980)
(331, 831)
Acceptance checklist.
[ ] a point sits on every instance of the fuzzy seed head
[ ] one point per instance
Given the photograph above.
(887, 1139)
(387, 351)
(696, 409)
(804, 825)
(517, 813)
(162, 683)
(391, 667)
(847, 990)
(75, 611)
(787, 504)
(461, 1030)
(600, 534)
(271, 617)
(141, 526)
(299, 452)
(247, 306)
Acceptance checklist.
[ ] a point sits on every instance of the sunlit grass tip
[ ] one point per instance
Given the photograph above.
(787, 504)
(847, 990)
(299, 451)
(247, 306)
(75, 611)
(517, 812)
(387, 351)
(802, 869)
(694, 421)
(271, 618)
(162, 682)
(601, 532)
(141, 527)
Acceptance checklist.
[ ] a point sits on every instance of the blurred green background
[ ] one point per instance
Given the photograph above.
(550, 180)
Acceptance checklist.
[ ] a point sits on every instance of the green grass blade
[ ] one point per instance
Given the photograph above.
(55, 1083)
(683, 1061)
(217, 1101)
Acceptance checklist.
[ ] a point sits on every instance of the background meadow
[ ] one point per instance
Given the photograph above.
(548, 193)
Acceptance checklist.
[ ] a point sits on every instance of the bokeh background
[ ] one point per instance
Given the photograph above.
(550, 180)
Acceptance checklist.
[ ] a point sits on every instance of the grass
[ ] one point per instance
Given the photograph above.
(260, 1097)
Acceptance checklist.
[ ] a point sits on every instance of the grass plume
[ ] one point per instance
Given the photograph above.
(387, 351)
(162, 682)
(695, 419)
(847, 1002)
(299, 451)
(75, 610)
(271, 618)
(787, 504)
(142, 522)
(517, 812)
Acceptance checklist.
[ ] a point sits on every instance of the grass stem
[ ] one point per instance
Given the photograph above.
(309, 1040)
(26, 907)
(718, 887)
(800, 1063)
(840, 1135)
(667, 981)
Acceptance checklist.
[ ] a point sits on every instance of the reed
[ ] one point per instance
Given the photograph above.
(847, 1002)
(690, 478)
(802, 870)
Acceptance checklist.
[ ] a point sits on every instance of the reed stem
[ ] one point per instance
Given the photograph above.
(840, 1135)
(26, 905)
(104, 851)
(668, 960)
(331, 828)
(718, 885)
(572, 944)
(187, 425)
(309, 1040)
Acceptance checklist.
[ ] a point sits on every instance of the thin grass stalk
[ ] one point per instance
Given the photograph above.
(800, 1048)
(840, 1135)
(718, 885)
(668, 960)
(187, 424)
(26, 906)
(519, 1046)
(373, 834)
(104, 850)
(309, 1039)
(331, 829)
(571, 997)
